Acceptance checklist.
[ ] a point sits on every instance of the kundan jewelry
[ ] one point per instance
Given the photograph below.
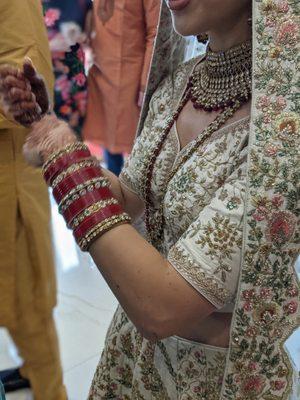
(222, 78)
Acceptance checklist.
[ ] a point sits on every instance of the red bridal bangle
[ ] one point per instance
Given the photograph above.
(99, 229)
(81, 190)
(76, 178)
(66, 150)
(63, 162)
(78, 206)
(90, 222)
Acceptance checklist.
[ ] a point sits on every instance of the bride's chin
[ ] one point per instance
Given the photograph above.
(184, 29)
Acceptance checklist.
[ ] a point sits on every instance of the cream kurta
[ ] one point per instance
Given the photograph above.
(203, 209)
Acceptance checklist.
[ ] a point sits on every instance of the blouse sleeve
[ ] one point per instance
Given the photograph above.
(208, 255)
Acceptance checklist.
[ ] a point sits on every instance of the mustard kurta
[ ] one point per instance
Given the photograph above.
(26, 266)
(27, 278)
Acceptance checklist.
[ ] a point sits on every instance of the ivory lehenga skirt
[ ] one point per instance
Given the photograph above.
(132, 368)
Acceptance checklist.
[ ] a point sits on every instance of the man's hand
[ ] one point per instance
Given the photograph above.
(23, 93)
(105, 10)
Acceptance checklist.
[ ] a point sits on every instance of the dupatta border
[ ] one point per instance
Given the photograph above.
(267, 307)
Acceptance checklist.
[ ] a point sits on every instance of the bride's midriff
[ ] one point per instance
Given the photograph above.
(214, 330)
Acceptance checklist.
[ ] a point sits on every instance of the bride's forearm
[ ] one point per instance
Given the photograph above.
(154, 296)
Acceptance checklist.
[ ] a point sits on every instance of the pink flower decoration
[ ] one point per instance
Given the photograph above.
(281, 102)
(253, 385)
(80, 79)
(51, 16)
(81, 55)
(281, 227)
(251, 331)
(287, 33)
(279, 385)
(252, 366)
(291, 307)
(270, 22)
(277, 201)
(258, 216)
(263, 102)
(248, 294)
(248, 306)
(265, 293)
(63, 83)
(283, 7)
(293, 292)
(271, 150)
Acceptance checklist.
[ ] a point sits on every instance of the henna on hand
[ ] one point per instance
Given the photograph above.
(46, 137)
(23, 93)
(17, 99)
(38, 86)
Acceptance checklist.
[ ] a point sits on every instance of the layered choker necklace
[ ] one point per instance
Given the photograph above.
(222, 78)
(221, 82)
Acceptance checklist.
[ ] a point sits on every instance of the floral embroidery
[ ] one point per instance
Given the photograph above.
(268, 303)
(221, 240)
(205, 283)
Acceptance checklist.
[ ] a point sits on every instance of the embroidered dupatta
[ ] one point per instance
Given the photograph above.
(267, 305)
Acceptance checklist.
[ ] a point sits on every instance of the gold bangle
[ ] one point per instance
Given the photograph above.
(73, 168)
(81, 190)
(101, 228)
(68, 149)
(90, 211)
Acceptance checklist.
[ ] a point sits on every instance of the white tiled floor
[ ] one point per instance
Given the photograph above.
(85, 308)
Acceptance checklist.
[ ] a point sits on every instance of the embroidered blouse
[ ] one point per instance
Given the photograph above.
(204, 203)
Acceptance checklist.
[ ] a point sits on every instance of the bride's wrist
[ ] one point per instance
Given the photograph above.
(83, 194)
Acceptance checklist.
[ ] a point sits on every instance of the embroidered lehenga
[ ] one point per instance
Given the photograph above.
(229, 229)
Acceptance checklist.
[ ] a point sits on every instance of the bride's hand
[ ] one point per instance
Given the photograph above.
(23, 93)
(46, 137)
(25, 99)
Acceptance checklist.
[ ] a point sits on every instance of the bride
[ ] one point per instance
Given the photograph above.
(209, 294)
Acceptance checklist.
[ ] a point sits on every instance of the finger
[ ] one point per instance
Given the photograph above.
(11, 81)
(7, 70)
(16, 95)
(28, 117)
(23, 107)
(30, 72)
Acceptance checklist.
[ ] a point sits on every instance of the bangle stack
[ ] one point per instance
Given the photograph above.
(83, 194)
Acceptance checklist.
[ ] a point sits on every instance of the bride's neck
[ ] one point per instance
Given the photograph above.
(225, 38)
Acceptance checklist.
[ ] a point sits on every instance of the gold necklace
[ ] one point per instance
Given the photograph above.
(222, 78)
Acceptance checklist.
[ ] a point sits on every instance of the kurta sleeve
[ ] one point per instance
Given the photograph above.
(208, 255)
(151, 10)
